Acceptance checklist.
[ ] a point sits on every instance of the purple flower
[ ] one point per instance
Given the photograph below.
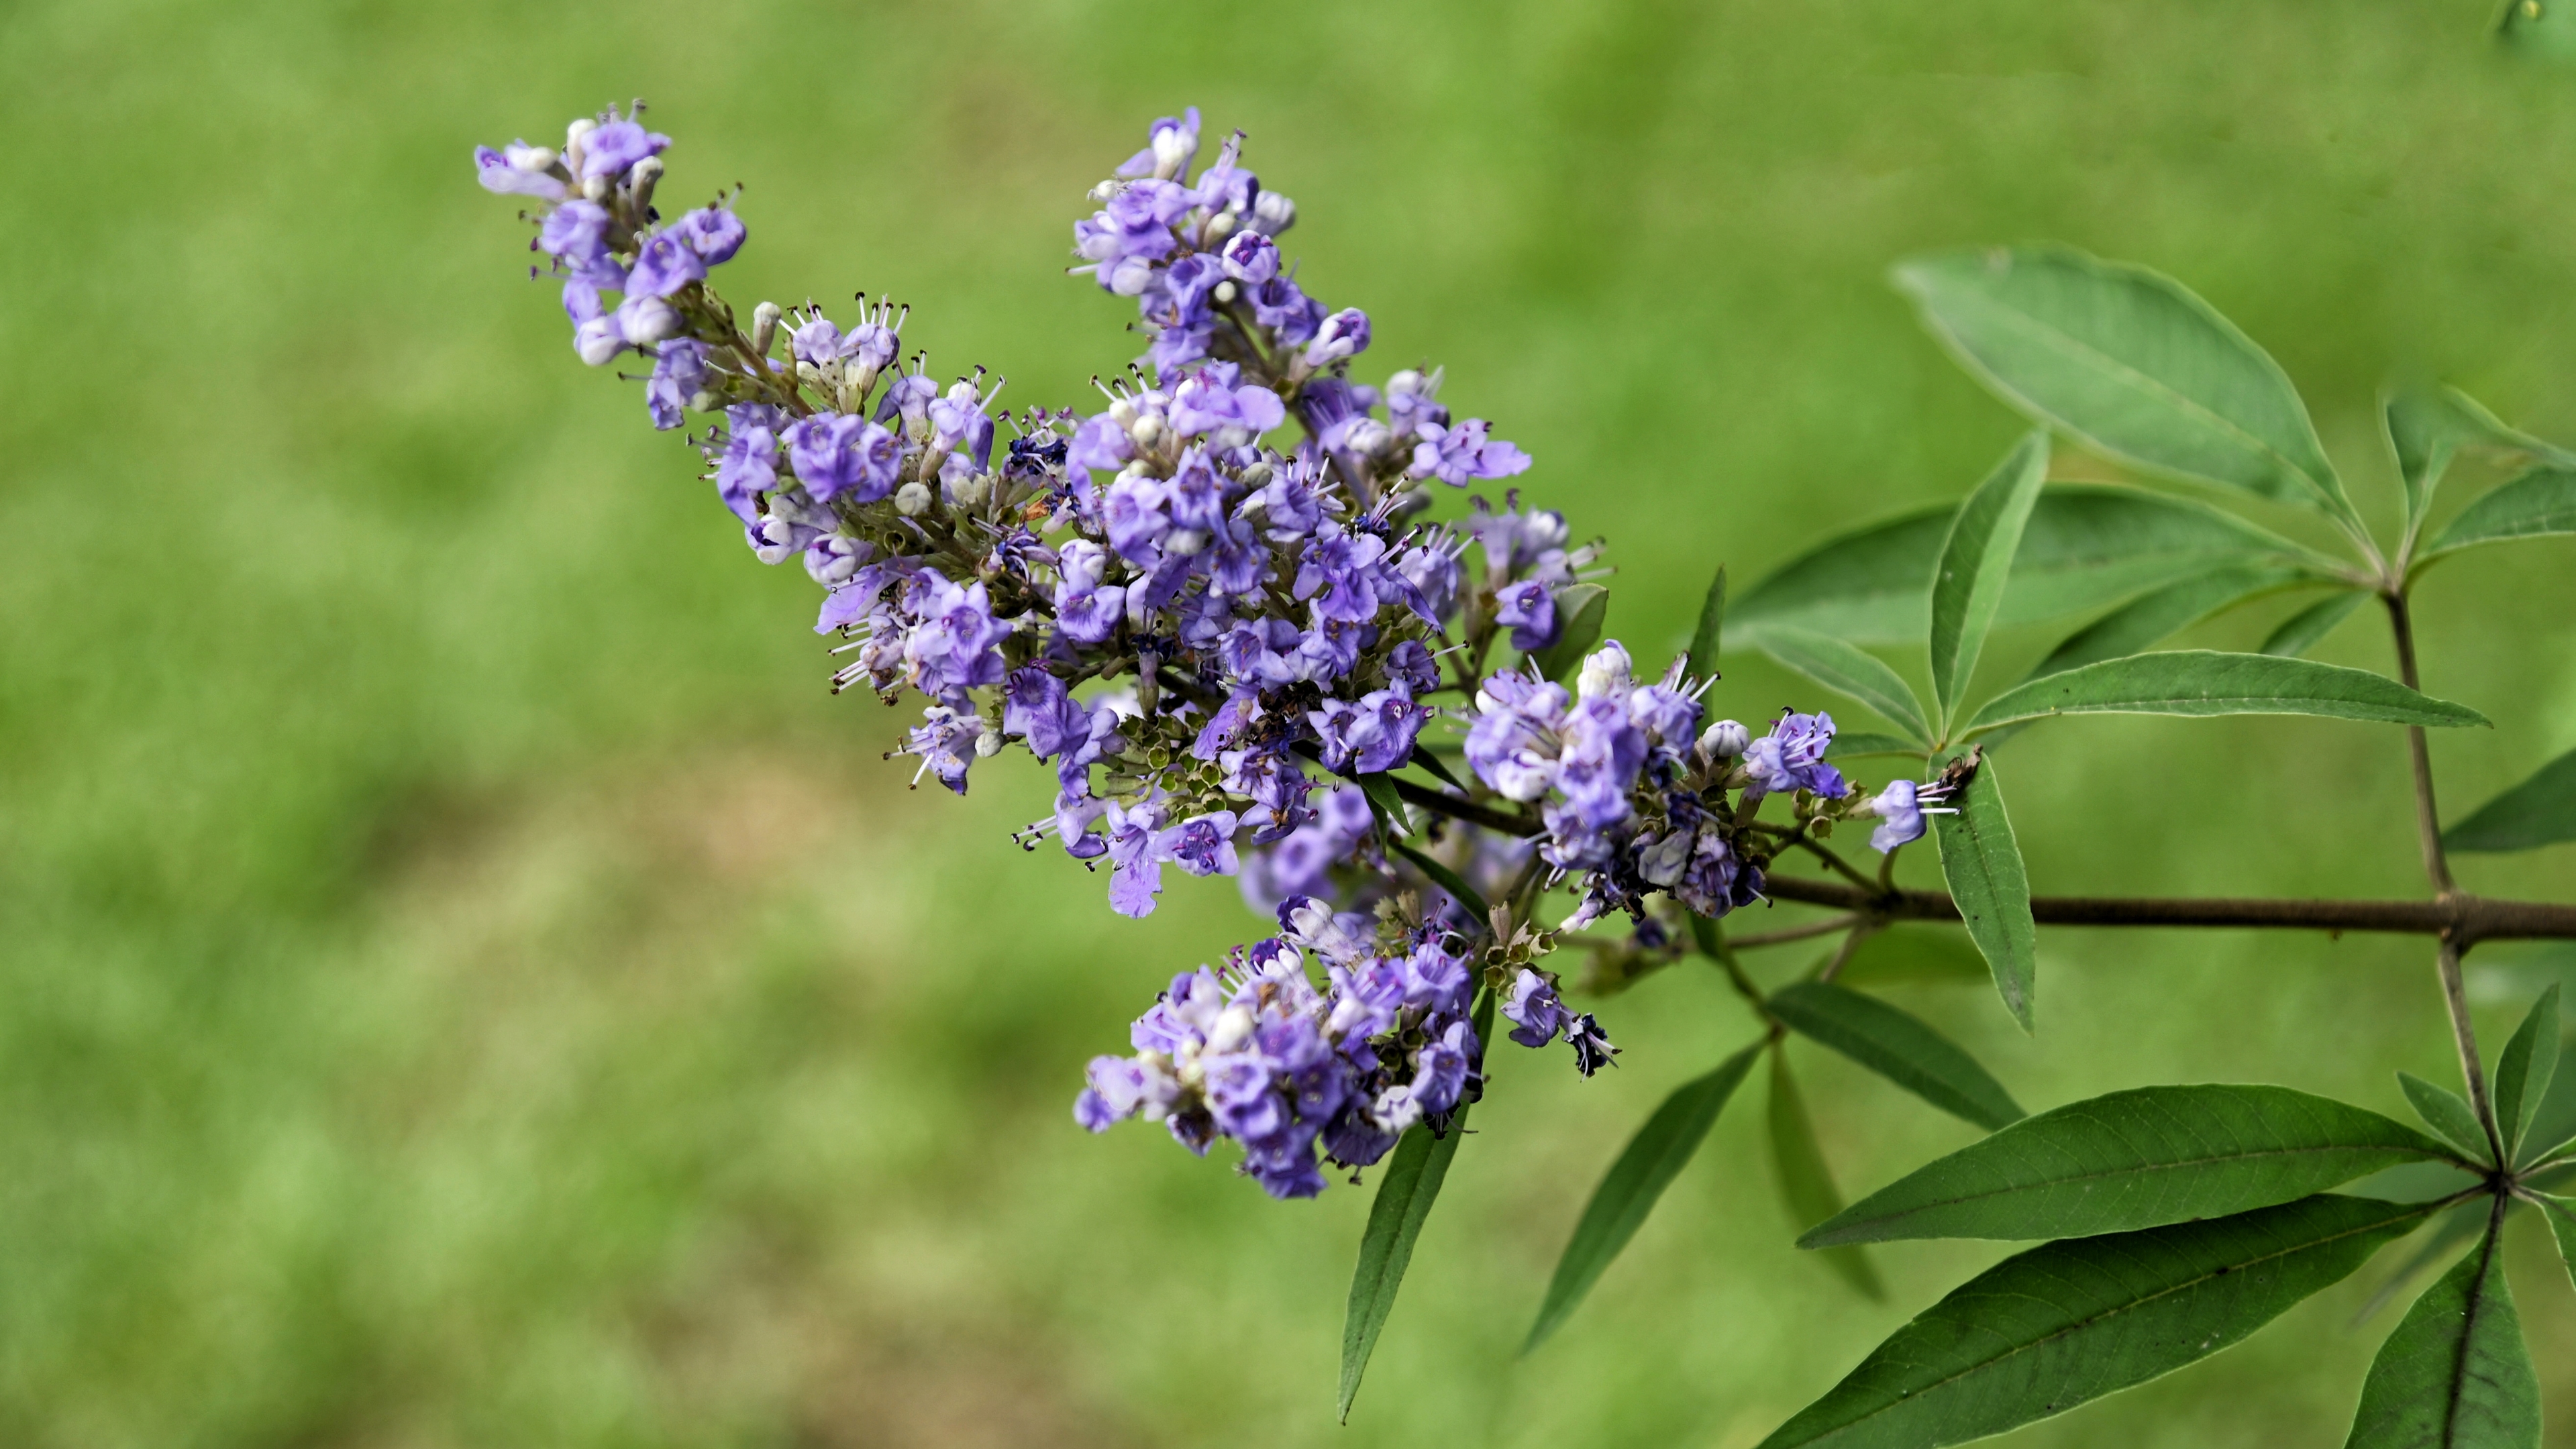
(679, 374)
(1344, 334)
(518, 169)
(956, 646)
(1440, 1069)
(1250, 258)
(614, 148)
(1901, 809)
(1087, 611)
(1792, 757)
(836, 454)
(817, 342)
(1036, 708)
(713, 232)
(1341, 567)
(1529, 611)
(1592, 1049)
(945, 740)
(1454, 455)
(1209, 399)
(576, 231)
(1201, 845)
(748, 466)
(1169, 145)
(1279, 306)
(1136, 876)
(1533, 1008)
(1373, 735)
(664, 265)
(1512, 745)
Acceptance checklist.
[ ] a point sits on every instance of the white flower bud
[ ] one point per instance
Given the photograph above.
(912, 500)
(1183, 542)
(575, 136)
(597, 341)
(596, 188)
(1405, 381)
(1100, 195)
(1225, 292)
(1273, 213)
(1123, 413)
(1369, 436)
(1218, 228)
(987, 745)
(764, 328)
(1724, 740)
(1605, 672)
(1233, 1028)
(646, 173)
(971, 491)
(1146, 430)
(1258, 475)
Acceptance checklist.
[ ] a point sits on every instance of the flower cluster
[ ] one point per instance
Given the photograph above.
(1302, 1076)
(1223, 636)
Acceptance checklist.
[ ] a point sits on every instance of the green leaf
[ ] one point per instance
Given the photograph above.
(2454, 1373)
(2086, 545)
(1644, 1169)
(2444, 1112)
(1898, 1046)
(2134, 1159)
(1982, 864)
(1858, 744)
(2129, 361)
(2562, 1225)
(2422, 433)
(1712, 628)
(2537, 504)
(1385, 803)
(2539, 811)
(1806, 1184)
(2451, 1227)
(2152, 618)
(1847, 669)
(2068, 1322)
(1912, 955)
(1447, 879)
(2523, 1070)
(1582, 608)
(2308, 628)
(1976, 561)
(2204, 682)
(1404, 1197)
(1430, 762)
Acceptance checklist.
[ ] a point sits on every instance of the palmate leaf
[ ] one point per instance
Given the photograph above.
(1981, 862)
(2446, 1113)
(2085, 545)
(1646, 1166)
(2523, 1070)
(1898, 1046)
(2306, 629)
(1848, 670)
(2134, 1159)
(2204, 682)
(1806, 1183)
(2129, 361)
(1581, 611)
(2151, 618)
(2537, 504)
(2455, 1372)
(2068, 1322)
(2539, 811)
(1976, 560)
(1410, 1184)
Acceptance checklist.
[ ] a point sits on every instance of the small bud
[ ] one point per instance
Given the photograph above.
(912, 500)
(646, 173)
(1218, 228)
(1146, 430)
(1233, 1028)
(1224, 292)
(1407, 381)
(596, 188)
(1605, 672)
(1100, 195)
(1724, 740)
(970, 492)
(1123, 413)
(987, 745)
(1257, 475)
(764, 328)
(576, 137)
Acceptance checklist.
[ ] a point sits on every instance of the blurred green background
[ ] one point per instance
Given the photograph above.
(463, 982)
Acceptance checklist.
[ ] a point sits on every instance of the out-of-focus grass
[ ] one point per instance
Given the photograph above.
(462, 981)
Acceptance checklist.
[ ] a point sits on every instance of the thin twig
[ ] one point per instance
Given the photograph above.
(2464, 917)
(1809, 931)
(1834, 964)
(2428, 820)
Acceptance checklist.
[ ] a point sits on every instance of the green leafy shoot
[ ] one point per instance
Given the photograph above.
(2134, 1159)
(1806, 1183)
(2152, 618)
(2455, 1371)
(1848, 670)
(1583, 608)
(2539, 811)
(1981, 862)
(2129, 361)
(2201, 682)
(1645, 1168)
(1711, 631)
(1976, 562)
(2444, 1112)
(1898, 1046)
(1405, 1192)
(2068, 1322)
(2523, 1070)
(2308, 628)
